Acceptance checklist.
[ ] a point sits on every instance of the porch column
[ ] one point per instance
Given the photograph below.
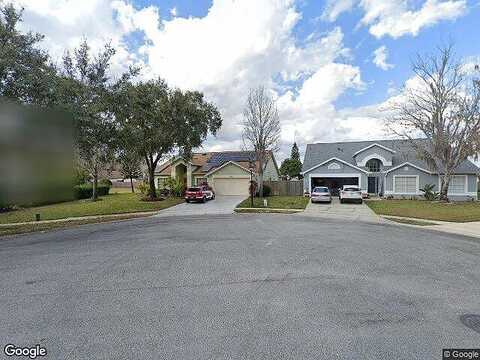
(189, 175)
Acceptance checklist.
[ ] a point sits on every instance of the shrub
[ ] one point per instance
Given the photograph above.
(102, 190)
(143, 187)
(85, 191)
(428, 192)
(105, 182)
(267, 190)
(80, 176)
(176, 187)
(4, 207)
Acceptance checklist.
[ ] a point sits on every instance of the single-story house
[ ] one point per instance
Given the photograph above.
(227, 172)
(384, 167)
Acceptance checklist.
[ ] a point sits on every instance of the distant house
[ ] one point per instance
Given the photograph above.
(113, 173)
(384, 167)
(227, 172)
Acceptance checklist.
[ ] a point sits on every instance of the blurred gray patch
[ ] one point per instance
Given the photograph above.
(36, 155)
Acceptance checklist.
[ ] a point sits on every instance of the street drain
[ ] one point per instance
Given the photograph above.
(471, 321)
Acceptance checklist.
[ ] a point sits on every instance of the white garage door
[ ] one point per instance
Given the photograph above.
(231, 186)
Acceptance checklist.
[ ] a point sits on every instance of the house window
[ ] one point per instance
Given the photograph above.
(373, 165)
(405, 184)
(457, 185)
(201, 181)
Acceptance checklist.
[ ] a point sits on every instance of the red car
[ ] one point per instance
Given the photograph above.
(200, 193)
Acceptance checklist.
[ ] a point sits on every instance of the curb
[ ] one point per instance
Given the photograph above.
(78, 218)
(268, 210)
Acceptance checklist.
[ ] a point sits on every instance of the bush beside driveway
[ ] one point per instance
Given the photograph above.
(430, 210)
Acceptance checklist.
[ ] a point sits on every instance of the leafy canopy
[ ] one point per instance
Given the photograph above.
(26, 76)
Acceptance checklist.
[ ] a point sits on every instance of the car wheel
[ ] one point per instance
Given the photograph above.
(204, 199)
(187, 201)
(341, 201)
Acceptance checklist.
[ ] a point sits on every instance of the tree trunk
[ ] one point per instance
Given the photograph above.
(260, 183)
(94, 187)
(152, 192)
(131, 185)
(445, 182)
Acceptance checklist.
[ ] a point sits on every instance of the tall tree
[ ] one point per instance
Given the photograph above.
(292, 167)
(444, 110)
(26, 75)
(86, 93)
(295, 153)
(261, 128)
(161, 120)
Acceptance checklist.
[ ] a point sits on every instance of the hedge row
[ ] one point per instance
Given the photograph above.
(85, 191)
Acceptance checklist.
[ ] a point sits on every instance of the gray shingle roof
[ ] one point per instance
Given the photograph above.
(404, 152)
(219, 158)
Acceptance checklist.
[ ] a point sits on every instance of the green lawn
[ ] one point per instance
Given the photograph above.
(456, 212)
(117, 203)
(277, 202)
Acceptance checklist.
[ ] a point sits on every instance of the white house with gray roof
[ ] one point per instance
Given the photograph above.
(384, 167)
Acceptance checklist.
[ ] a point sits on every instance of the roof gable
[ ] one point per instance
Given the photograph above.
(225, 165)
(334, 159)
(373, 145)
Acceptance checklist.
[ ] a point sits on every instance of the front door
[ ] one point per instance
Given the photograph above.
(372, 185)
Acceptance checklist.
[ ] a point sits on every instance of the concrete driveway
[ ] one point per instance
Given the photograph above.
(239, 287)
(221, 205)
(347, 211)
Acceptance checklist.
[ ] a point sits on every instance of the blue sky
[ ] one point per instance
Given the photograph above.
(332, 65)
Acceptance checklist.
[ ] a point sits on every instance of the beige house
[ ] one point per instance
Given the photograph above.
(227, 172)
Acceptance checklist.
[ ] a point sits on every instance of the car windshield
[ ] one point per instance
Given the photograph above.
(320, 190)
(193, 189)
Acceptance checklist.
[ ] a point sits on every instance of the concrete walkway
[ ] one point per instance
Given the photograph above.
(347, 211)
(221, 205)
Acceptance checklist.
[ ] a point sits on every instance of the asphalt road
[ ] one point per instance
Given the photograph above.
(239, 287)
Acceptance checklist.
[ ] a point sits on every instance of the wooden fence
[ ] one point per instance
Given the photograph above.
(285, 188)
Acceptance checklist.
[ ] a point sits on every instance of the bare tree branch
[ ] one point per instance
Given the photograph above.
(441, 116)
(261, 128)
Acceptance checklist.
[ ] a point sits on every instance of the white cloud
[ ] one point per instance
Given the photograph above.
(395, 18)
(173, 11)
(222, 56)
(334, 8)
(66, 23)
(312, 114)
(380, 56)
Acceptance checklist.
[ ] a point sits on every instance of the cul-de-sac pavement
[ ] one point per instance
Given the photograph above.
(240, 286)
